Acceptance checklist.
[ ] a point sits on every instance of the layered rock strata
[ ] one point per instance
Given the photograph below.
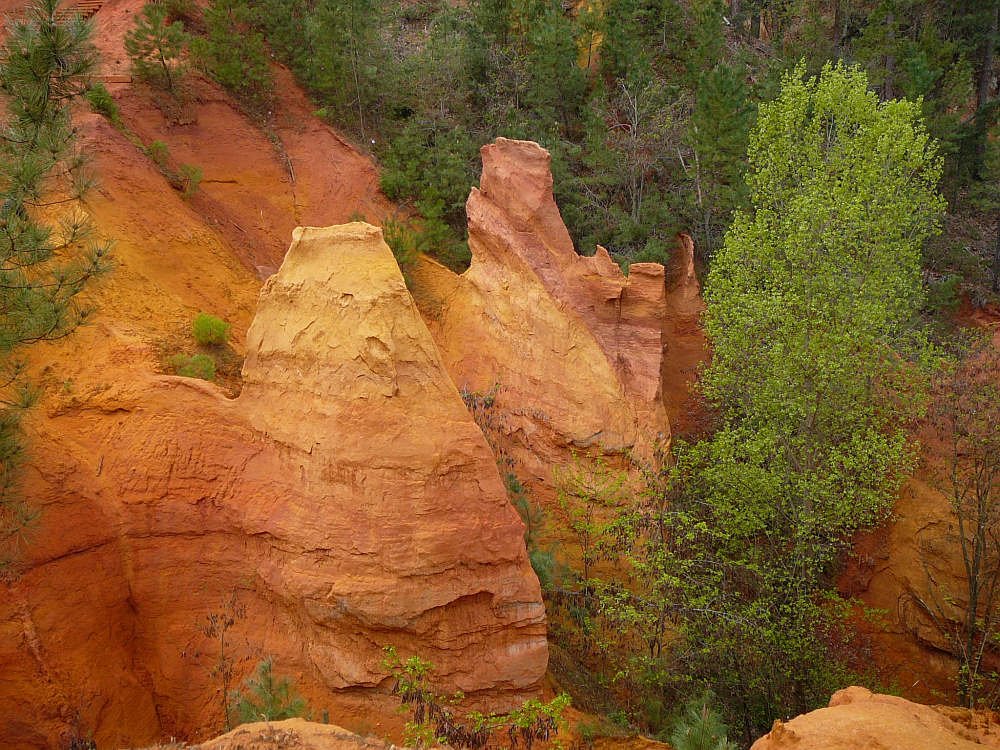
(345, 500)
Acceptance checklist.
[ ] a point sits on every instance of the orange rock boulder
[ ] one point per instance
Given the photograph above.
(858, 718)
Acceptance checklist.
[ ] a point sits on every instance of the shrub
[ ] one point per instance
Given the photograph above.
(264, 697)
(209, 330)
(198, 366)
(189, 176)
(944, 295)
(103, 104)
(159, 152)
(404, 243)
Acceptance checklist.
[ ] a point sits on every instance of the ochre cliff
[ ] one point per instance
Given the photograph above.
(857, 718)
(575, 347)
(346, 498)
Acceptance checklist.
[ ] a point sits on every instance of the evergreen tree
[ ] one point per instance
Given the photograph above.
(155, 47)
(720, 128)
(351, 62)
(701, 728)
(264, 697)
(234, 54)
(45, 67)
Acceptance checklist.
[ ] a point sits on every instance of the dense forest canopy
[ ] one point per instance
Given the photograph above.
(646, 105)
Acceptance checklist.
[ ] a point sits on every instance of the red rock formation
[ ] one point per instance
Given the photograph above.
(685, 346)
(860, 719)
(347, 495)
(574, 344)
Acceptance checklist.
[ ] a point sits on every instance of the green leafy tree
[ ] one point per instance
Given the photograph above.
(808, 298)
(808, 305)
(45, 266)
(265, 697)
(155, 47)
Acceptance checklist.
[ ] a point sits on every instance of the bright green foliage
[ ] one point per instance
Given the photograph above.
(264, 697)
(45, 267)
(435, 722)
(807, 299)
(701, 728)
(197, 366)
(209, 330)
(587, 493)
(189, 176)
(155, 47)
(233, 53)
(808, 305)
(104, 104)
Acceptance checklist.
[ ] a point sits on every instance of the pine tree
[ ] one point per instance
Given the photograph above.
(701, 728)
(264, 697)
(234, 53)
(156, 46)
(720, 128)
(45, 67)
(351, 60)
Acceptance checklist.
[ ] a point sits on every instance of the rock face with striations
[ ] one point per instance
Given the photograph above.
(346, 498)
(575, 346)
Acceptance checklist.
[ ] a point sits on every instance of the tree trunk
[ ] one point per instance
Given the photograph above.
(838, 20)
(996, 258)
(890, 60)
(986, 73)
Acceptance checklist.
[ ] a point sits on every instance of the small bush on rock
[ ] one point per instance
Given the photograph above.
(197, 366)
(209, 330)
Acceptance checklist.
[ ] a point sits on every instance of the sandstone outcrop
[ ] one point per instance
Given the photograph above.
(346, 498)
(295, 734)
(575, 346)
(857, 718)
